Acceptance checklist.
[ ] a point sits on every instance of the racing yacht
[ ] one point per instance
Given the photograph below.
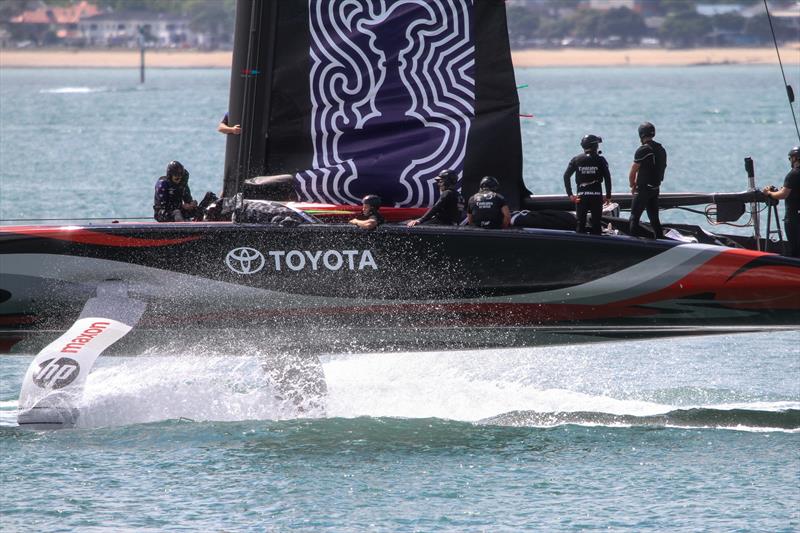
(341, 99)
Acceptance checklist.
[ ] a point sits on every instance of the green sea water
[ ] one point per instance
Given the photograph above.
(691, 434)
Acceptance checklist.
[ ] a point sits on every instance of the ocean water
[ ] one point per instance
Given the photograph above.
(690, 434)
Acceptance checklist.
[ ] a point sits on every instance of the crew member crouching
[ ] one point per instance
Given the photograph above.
(369, 218)
(173, 200)
(449, 208)
(591, 170)
(487, 208)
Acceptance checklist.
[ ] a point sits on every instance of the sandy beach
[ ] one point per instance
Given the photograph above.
(569, 57)
(648, 57)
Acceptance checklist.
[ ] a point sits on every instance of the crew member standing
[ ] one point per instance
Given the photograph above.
(369, 218)
(790, 193)
(487, 208)
(449, 207)
(591, 170)
(173, 200)
(647, 173)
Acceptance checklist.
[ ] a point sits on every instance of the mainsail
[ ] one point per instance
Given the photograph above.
(356, 97)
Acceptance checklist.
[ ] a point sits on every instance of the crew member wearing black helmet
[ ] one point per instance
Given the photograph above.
(487, 208)
(790, 194)
(646, 175)
(369, 218)
(173, 200)
(449, 208)
(591, 170)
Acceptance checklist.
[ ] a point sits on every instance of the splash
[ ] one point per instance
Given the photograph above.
(73, 90)
(149, 389)
(530, 387)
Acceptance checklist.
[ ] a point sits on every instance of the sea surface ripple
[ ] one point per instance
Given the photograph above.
(691, 434)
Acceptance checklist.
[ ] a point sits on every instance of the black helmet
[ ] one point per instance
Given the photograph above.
(174, 168)
(590, 141)
(448, 178)
(489, 183)
(372, 200)
(646, 129)
(795, 151)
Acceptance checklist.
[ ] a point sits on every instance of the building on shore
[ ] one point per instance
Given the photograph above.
(84, 24)
(48, 25)
(123, 28)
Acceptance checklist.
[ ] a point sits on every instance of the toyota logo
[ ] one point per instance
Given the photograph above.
(245, 260)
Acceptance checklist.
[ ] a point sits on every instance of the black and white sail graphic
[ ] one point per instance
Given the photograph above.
(357, 97)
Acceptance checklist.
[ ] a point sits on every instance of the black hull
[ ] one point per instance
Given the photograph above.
(339, 288)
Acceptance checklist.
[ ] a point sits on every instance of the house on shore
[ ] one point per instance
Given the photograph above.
(48, 25)
(123, 28)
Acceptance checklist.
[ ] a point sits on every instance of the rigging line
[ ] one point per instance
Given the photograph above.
(789, 92)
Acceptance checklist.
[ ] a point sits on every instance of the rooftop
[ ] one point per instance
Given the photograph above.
(71, 14)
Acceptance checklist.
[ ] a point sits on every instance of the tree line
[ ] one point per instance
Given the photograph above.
(680, 25)
(530, 23)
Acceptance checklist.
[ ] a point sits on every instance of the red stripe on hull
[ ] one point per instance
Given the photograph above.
(17, 320)
(6, 344)
(84, 236)
(761, 287)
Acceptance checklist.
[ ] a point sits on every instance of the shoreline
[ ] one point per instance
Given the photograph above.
(536, 58)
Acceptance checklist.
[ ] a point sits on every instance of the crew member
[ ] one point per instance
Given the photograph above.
(790, 193)
(449, 207)
(646, 175)
(487, 208)
(173, 200)
(224, 127)
(591, 170)
(370, 217)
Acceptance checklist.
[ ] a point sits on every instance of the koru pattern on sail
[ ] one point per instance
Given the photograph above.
(392, 89)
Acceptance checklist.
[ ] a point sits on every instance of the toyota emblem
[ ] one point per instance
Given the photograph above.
(245, 260)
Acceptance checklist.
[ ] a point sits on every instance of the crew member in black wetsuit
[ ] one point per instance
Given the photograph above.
(369, 218)
(647, 173)
(173, 200)
(487, 208)
(790, 194)
(591, 170)
(449, 208)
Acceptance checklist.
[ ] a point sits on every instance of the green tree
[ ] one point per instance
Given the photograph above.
(728, 22)
(522, 23)
(212, 16)
(624, 23)
(11, 8)
(678, 6)
(685, 28)
(586, 24)
(758, 27)
(553, 28)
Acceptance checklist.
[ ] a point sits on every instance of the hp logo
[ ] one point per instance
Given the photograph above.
(56, 373)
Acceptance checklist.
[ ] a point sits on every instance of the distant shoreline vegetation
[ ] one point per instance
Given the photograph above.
(541, 24)
(649, 23)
